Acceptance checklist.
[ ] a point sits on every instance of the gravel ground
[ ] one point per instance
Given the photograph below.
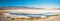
(55, 18)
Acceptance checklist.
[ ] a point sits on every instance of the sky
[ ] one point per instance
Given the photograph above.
(32, 3)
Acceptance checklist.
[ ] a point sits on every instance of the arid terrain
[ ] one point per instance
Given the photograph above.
(54, 18)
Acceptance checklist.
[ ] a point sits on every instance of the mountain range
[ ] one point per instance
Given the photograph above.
(23, 7)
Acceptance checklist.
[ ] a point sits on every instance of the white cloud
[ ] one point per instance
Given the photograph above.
(48, 6)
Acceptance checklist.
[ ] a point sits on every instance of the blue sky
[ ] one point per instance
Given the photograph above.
(32, 3)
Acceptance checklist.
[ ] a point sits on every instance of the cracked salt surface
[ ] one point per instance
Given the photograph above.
(35, 15)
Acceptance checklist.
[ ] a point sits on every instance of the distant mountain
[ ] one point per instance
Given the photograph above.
(24, 7)
(56, 9)
(18, 7)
